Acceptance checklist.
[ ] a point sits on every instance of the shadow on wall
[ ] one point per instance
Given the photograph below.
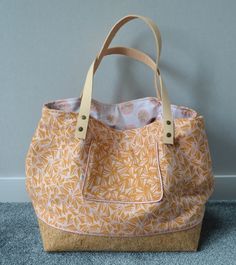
(199, 88)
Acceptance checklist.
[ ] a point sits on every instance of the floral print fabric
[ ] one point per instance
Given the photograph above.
(122, 180)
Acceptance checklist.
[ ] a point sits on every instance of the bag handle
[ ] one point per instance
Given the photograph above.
(84, 111)
(136, 55)
(156, 33)
(132, 53)
(168, 122)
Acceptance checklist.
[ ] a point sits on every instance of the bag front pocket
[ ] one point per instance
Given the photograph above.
(123, 173)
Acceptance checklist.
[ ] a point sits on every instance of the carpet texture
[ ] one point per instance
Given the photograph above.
(20, 241)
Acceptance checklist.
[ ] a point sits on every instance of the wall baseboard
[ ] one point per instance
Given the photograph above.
(12, 189)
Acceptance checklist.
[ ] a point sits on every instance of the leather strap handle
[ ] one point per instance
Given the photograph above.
(150, 23)
(168, 122)
(136, 55)
(83, 116)
(132, 53)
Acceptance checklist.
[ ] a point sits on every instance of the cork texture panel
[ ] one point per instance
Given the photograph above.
(58, 240)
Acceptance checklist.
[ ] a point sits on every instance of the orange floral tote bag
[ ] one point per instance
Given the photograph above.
(131, 176)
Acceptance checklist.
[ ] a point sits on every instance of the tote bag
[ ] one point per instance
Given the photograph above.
(130, 176)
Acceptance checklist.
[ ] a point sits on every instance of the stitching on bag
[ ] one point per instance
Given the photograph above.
(117, 201)
(187, 227)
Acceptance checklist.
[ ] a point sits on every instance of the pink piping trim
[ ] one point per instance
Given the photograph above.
(123, 236)
(126, 202)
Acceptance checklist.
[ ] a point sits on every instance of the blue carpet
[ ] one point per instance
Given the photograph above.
(20, 242)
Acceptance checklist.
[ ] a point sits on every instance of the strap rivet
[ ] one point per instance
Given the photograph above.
(168, 122)
(168, 134)
(80, 129)
(83, 117)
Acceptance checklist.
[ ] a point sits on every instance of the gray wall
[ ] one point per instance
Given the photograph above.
(46, 48)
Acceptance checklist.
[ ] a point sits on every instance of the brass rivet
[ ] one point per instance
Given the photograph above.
(168, 122)
(168, 134)
(83, 117)
(80, 129)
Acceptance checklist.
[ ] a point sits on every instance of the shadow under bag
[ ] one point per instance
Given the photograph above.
(131, 176)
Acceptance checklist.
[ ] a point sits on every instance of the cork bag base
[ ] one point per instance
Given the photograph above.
(58, 240)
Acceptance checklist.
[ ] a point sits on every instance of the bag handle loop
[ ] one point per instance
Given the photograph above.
(156, 33)
(84, 111)
(83, 116)
(134, 54)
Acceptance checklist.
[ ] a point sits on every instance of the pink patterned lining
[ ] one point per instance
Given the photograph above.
(127, 115)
